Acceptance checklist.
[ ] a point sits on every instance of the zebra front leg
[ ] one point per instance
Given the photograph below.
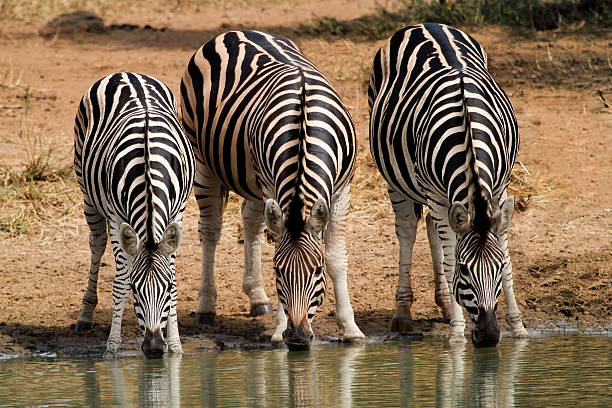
(442, 294)
(97, 245)
(447, 239)
(252, 282)
(513, 314)
(174, 339)
(281, 324)
(212, 198)
(336, 261)
(121, 290)
(406, 219)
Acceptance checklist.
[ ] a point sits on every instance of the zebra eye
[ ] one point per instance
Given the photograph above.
(319, 271)
(463, 269)
(277, 272)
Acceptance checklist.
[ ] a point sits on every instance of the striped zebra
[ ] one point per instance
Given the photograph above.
(443, 134)
(136, 168)
(266, 124)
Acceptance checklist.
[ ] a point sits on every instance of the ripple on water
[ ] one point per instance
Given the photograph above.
(572, 369)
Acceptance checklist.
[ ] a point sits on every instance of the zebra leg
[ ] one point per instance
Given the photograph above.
(252, 282)
(442, 294)
(97, 245)
(406, 220)
(447, 239)
(174, 339)
(212, 198)
(336, 261)
(281, 325)
(513, 314)
(121, 291)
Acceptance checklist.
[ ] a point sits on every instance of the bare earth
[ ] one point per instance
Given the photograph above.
(561, 243)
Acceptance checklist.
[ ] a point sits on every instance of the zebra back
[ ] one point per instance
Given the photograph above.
(431, 92)
(132, 160)
(266, 122)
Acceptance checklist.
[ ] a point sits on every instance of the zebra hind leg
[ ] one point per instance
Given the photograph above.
(212, 199)
(97, 244)
(336, 260)
(406, 219)
(252, 283)
(442, 293)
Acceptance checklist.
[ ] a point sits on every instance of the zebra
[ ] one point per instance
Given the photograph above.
(135, 167)
(266, 124)
(444, 134)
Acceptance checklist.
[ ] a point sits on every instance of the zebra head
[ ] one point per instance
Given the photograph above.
(300, 268)
(480, 260)
(152, 280)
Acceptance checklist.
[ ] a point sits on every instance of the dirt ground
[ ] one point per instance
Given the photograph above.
(561, 239)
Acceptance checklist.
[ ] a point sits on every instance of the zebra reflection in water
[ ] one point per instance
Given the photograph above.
(158, 382)
(493, 375)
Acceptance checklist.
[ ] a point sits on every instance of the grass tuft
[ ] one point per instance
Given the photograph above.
(37, 189)
(38, 163)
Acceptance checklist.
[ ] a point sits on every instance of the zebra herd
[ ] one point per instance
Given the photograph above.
(259, 119)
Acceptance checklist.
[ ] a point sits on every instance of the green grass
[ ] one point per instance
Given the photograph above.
(528, 14)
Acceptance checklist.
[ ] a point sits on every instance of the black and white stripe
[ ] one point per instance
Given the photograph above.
(135, 167)
(266, 124)
(443, 134)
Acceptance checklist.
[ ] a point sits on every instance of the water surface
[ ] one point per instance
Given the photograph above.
(555, 370)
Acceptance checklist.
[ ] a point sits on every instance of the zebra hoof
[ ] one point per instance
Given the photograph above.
(261, 310)
(402, 325)
(204, 318)
(82, 326)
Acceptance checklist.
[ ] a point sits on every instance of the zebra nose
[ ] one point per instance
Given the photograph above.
(153, 344)
(486, 333)
(298, 338)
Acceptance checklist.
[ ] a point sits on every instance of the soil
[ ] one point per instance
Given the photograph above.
(561, 236)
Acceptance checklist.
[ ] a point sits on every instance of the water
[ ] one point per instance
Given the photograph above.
(556, 370)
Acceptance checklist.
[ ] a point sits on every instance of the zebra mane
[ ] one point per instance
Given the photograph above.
(150, 220)
(480, 199)
(295, 220)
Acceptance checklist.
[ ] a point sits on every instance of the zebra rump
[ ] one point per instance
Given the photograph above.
(135, 168)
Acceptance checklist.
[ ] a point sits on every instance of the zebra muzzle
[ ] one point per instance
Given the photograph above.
(153, 344)
(298, 338)
(486, 331)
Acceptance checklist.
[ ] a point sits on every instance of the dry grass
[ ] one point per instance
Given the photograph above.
(46, 208)
(9, 79)
(38, 192)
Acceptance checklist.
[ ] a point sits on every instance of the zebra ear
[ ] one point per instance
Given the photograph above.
(505, 216)
(459, 218)
(171, 239)
(128, 239)
(319, 214)
(274, 217)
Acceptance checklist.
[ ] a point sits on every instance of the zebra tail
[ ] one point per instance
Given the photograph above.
(150, 243)
(295, 219)
(480, 199)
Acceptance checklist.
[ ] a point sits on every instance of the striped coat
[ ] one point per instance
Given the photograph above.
(266, 124)
(135, 168)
